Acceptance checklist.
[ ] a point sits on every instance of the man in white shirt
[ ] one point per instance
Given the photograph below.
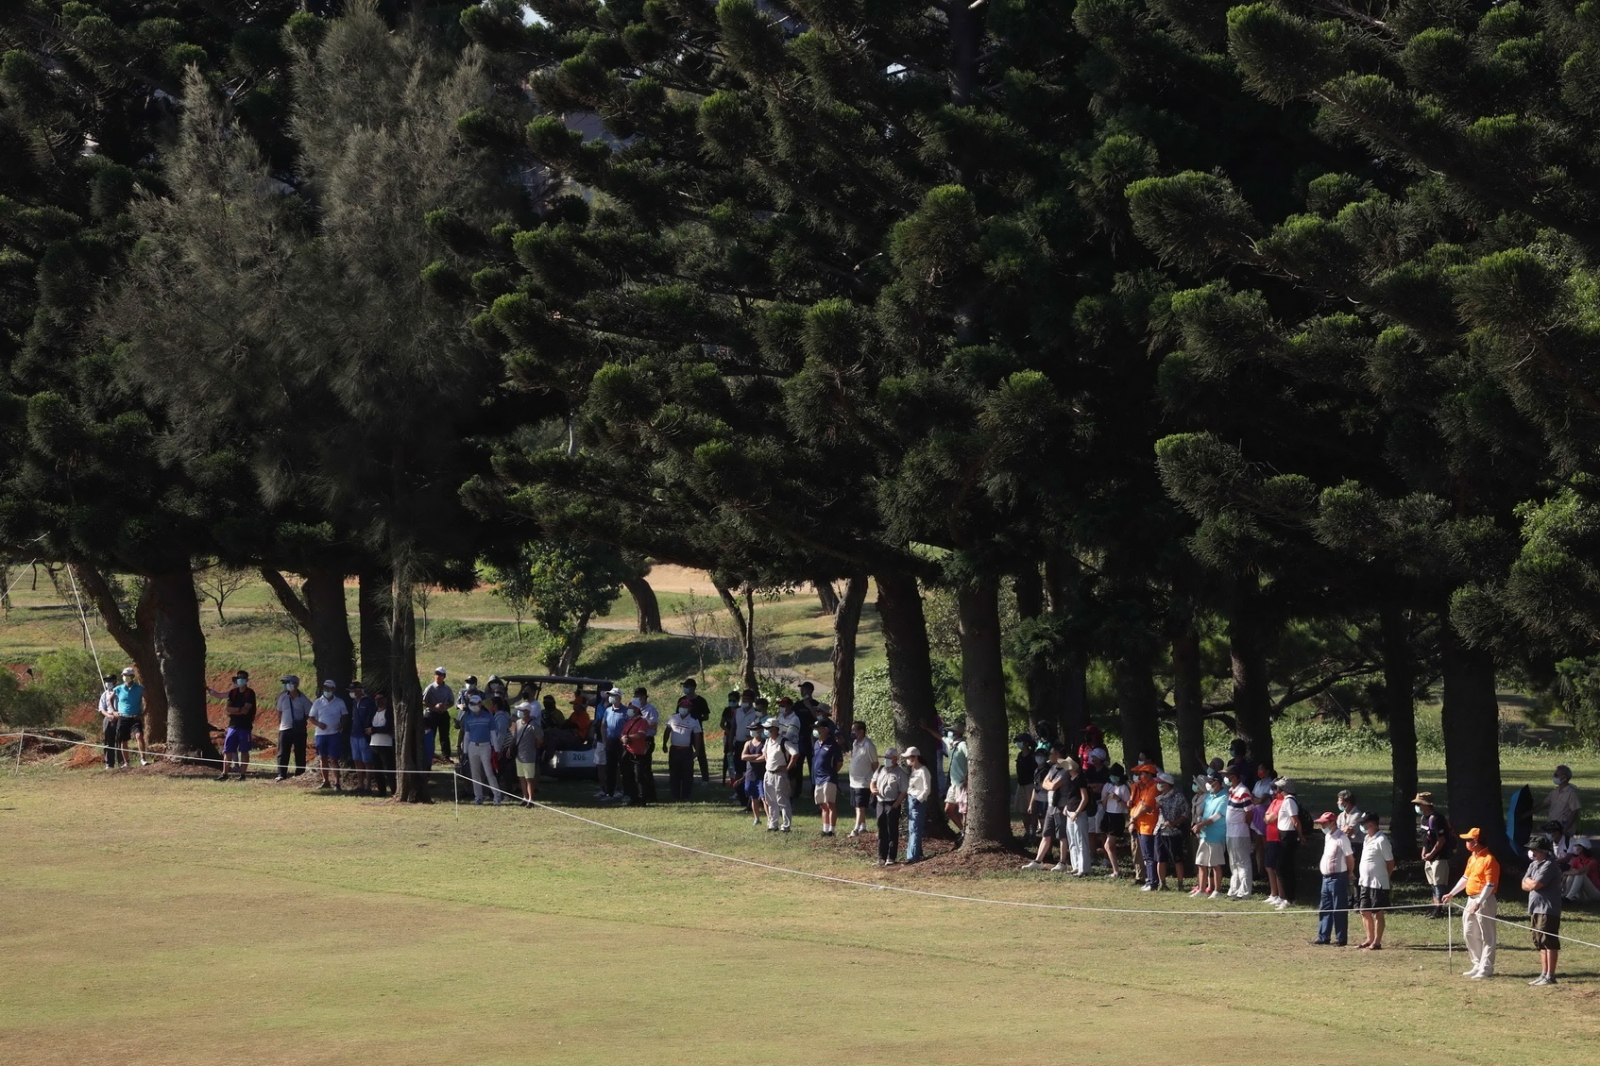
(682, 729)
(1373, 881)
(744, 717)
(863, 764)
(328, 713)
(293, 710)
(781, 757)
(1241, 850)
(1337, 862)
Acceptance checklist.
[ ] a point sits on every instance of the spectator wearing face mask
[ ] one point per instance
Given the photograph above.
(1351, 818)
(780, 755)
(754, 757)
(789, 725)
(610, 720)
(477, 741)
(1081, 805)
(652, 718)
(1241, 851)
(1211, 832)
(888, 795)
(241, 704)
(329, 715)
(108, 723)
(1283, 844)
(526, 736)
(1562, 803)
(437, 699)
(1114, 819)
(1437, 844)
(637, 738)
(744, 715)
(1582, 881)
(700, 711)
(732, 743)
(1481, 883)
(362, 708)
(1144, 814)
(1027, 761)
(863, 764)
(1172, 827)
(1542, 883)
(1053, 784)
(1373, 879)
(684, 738)
(827, 758)
(1337, 863)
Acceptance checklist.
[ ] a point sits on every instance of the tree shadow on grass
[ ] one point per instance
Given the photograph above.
(642, 658)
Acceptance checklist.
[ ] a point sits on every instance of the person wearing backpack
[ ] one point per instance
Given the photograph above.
(526, 736)
(1282, 859)
(1437, 844)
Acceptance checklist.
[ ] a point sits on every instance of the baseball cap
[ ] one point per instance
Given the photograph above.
(892, 753)
(474, 698)
(1326, 818)
(127, 671)
(329, 684)
(357, 684)
(1553, 826)
(289, 679)
(1284, 783)
(1371, 818)
(1472, 834)
(912, 751)
(1165, 778)
(438, 671)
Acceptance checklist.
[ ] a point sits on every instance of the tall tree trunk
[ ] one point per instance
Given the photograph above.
(826, 595)
(1399, 687)
(1187, 701)
(181, 644)
(566, 664)
(405, 691)
(744, 618)
(983, 684)
(136, 638)
(373, 609)
(1134, 680)
(1038, 679)
(1068, 688)
(1252, 700)
(645, 603)
(846, 624)
(320, 609)
(911, 699)
(1471, 720)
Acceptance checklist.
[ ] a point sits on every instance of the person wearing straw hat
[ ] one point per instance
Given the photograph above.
(1481, 883)
(889, 794)
(1437, 844)
(1373, 878)
(1337, 862)
(1542, 883)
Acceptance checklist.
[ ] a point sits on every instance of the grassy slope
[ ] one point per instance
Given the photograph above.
(202, 923)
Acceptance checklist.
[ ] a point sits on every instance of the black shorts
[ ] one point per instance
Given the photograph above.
(861, 797)
(1055, 823)
(1170, 848)
(130, 727)
(1371, 899)
(1114, 824)
(1545, 929)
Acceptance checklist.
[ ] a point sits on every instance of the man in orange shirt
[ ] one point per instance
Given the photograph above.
(1143, 815)
(1481, 882)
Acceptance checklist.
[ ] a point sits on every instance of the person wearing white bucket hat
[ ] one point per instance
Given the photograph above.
(889, 795)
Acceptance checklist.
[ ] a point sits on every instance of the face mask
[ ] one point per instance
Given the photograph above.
(1116, 780)
(686, 691)
(1038, 760)
(1533, 856)
(632, 711)
(239, 682)
(816, 734)
(1416, 808)
(288, 688)
(1556, 781)
(1195, 787)
(522, 714)
(1343, 807)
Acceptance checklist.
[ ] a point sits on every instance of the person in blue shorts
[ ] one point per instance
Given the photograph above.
(241, 700)
(754, 758)
(363, 707)
(329, 714)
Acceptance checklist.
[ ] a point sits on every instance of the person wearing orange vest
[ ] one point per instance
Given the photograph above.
(1480, 883)
(1143, 814)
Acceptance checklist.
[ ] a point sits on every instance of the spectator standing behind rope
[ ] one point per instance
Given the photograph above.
(919, 793)
(1172, 828)
(1437, 844)
(780, 755)
(526, 736)
(1114, 818)
(888, 793)
(437, 699)
(753, 756)
(380, 738)
(827, 757)
(1082, 803)
(955, 797)
(108, 722)
(609, 720)
(700, 711)
(863, 764)
(789, 729)
(636, 741)
(130, 714)
(477, 743)
(329, 715)
(1542, 883)
(1351, 819)
(1338, 860)
(1211, 836)
(1376, 869)
(363, 707)
(1241, 849)
(293, 711)
(241, 701)
(652, 721)
(1052, 785)
(1143, 815)
(1287, 821)
(1481, 883)
(684, 737)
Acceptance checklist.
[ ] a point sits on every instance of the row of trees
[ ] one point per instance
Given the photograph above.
(1143, 320)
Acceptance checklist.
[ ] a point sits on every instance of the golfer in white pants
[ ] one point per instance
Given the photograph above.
(1480, 883)
(781, 757)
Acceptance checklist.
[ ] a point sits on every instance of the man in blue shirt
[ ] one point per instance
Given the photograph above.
(827, 756)
(128, 699)
(610, 720)
(477, 740)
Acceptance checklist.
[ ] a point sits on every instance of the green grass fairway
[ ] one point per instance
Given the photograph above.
(172, 920)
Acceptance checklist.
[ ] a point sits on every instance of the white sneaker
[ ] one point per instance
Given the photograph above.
(1146, 888)
(1060, 868)
(1470, 973)
(1282, 905)
(1195, 891)
(1213, 894)
(1273, 901)
(1481, 976)
(1033, 866)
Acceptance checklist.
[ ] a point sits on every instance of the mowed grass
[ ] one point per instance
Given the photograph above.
(155, 918)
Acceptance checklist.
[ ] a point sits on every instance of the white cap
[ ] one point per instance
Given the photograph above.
(892, 753)
(912, 751)
(127, 671)
(438, 671)
(474, 698)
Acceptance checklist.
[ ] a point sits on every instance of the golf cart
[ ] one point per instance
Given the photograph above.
(566, 755)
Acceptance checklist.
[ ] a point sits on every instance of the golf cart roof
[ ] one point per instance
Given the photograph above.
(551, 679)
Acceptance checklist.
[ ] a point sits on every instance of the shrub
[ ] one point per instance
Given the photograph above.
(26, 706)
